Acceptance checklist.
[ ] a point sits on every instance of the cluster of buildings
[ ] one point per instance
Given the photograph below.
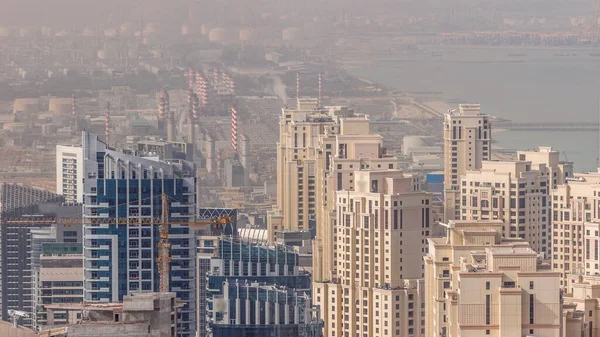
(354, 246)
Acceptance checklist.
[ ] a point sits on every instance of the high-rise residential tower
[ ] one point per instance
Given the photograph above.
(575, 210)
(511, 191)
(122, 259)
(467, 143)
(380, 235)
(299, 142)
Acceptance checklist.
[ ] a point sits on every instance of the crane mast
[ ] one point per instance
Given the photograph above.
(164, 247)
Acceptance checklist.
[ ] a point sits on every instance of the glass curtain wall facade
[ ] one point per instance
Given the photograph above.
(122, 259)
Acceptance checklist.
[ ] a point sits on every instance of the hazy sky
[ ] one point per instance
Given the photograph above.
(91, 12)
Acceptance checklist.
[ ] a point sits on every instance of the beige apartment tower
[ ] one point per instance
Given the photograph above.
(307, 141)
(356, 150)
(380, 232)
(479, 284)
(511, 191)
(467, 143)
(575, 213)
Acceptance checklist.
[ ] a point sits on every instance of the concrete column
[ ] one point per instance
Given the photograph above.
(267, 311)
(248, 311)
(296, 314)
(258, 268)
(257, 308)
(277, 311)
(287, 314)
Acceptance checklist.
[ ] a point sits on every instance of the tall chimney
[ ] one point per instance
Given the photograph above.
(74, 106)
(192, 117)
(170, 120)
(163, 106)
(245, 158)
(320, 97)
(210, 154)
(234, 128)
(107, 123)
(298, 91)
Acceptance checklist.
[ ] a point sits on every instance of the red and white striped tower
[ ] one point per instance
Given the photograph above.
(201, 86)
(320, 97)
(74, 105)
(233, 128)
(107, 125)
(298, 90)
(162, 105)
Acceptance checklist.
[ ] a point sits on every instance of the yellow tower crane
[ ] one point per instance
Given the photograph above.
(164, 248)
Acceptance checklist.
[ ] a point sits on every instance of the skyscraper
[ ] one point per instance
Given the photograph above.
(380, 237)
(122, 259)
(467, 143)
(299, 142)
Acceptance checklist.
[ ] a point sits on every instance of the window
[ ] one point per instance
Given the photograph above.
(531, 285)
(488, 300)
(531, 309)
(487, 286)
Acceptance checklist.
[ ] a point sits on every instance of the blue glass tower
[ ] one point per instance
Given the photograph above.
(122, 259)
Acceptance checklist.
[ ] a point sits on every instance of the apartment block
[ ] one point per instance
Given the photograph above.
(355, 150)
(575, 209)
(478, 283)
(22, 206)
(379, 239)
(513, 192)
(581, 308)
(59, 279)
(467, 143)
(69, 173)
(300, 133)
(122, 259)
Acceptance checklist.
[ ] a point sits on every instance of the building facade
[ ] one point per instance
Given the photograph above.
(575, 209)
(341, 155)
(467, 143)
(25, 211)
(69, 173)
(376, 287)
(479, 284)
(58, 279)
(224, 262)
(511, 191)
(122, 259)
(300, 131)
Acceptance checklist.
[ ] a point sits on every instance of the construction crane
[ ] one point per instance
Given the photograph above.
(164, 248)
